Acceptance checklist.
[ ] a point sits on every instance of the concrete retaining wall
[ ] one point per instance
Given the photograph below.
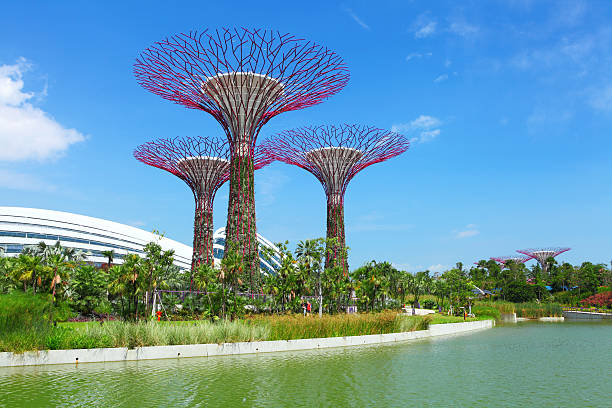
(552, 319)
(586, 315)
(207, 350)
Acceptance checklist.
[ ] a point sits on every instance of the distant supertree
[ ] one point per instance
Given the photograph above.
(203, 164)
(334, 155)
(515, 258)
(542, 254)
(243, 78)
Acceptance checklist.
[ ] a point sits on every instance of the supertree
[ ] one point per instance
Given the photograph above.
(334, 155)
(542, 254)
(243, 78)
(203, 164)
(515, 258)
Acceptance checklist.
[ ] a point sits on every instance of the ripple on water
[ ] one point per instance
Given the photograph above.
(531, 364)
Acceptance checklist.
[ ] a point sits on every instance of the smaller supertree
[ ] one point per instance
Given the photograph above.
(515, 258)
(204, 164)
(334, 155)
(542, 255)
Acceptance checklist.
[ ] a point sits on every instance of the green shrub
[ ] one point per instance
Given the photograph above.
(534, 310)
(486, 311)
(24, 321)
(519, 292)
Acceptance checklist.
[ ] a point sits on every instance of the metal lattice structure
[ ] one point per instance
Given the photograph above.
(243, 78)
(334, 155)
(542, 254)
(204, 165)
(515, 258)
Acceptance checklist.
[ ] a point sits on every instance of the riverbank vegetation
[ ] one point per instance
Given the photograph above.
(49, 284)
(39, 334)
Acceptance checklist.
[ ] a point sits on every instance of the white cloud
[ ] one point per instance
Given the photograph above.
(424, 26)
(357, 19)
(425, 127)
(417, 55)
(425, 122)
(429, 135)
(27, 132)
(463, 29)
(601, 98)
(437, 268)
(441, 78)
(426, 30)
(469, 231)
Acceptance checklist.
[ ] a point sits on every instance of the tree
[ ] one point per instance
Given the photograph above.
(519, 292)
(311, 253)
(127, 282)
(88, 286)
(206, 279)
(418, 285)
(156, 265)
(110, 255)
(232, 266)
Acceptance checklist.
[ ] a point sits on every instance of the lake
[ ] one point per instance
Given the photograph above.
(526, 364)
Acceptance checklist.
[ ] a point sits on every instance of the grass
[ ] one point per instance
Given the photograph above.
(530, 310)
(76, 335)
(289, 327)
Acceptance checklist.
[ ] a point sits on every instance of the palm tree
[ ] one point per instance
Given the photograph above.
(311, 252)
(28, 269)
(232, 266)
(110, 254)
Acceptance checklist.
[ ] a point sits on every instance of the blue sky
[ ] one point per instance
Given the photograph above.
(508, 105)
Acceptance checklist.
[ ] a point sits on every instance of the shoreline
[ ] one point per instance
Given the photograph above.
(101, 355)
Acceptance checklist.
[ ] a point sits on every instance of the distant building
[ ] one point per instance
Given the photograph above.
(266, 265)
(20, 227)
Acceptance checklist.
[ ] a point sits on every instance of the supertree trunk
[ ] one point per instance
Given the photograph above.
(202, 235)
(241, 227)
(335, 229)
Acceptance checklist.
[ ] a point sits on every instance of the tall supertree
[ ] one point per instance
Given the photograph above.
(334, 155)
(515, 258)
(542, 254)
(243, 78)
(204, 165)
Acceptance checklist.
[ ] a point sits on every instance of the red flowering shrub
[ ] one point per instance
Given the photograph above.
(603, 299)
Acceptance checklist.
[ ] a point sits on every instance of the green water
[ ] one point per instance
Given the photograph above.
(528, 364)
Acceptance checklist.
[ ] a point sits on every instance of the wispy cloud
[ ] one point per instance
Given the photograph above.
(24, 182)
(375, 221)
(408, 267)
(357, 19)
(462, 28)
(27, 132)
(425, 127)
(601, 98)
(469, 230)
(268, 182)
(424, 26)
(441, 78)
(418, 55)
(437, 268)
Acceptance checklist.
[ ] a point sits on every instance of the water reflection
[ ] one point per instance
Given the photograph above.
(520, 365)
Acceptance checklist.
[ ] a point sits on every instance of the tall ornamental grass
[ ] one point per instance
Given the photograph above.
(151, 333)
(530, 310)
(535, 310)
(291, 327)
(24, 321)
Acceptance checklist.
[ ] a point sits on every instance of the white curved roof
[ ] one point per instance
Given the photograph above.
(28, 226)
(266, 265)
